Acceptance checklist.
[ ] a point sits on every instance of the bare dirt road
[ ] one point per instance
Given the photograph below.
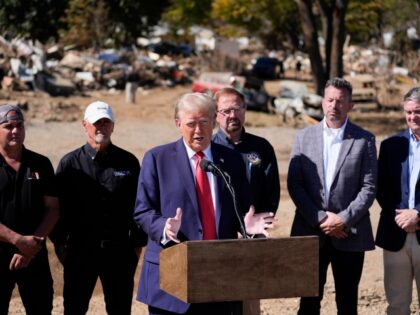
(148, 123)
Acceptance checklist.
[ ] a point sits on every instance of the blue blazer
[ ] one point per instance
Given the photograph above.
(393, 190)
(166, 182)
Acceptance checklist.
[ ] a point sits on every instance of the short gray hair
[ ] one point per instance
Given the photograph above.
(196, 102)
(412, 95)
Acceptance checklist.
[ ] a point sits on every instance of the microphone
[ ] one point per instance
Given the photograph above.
(209, 166)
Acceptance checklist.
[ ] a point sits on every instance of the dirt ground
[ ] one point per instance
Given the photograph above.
(148, 123)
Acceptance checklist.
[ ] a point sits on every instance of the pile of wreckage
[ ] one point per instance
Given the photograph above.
(378, 84)
(24, 66)
(64, 72)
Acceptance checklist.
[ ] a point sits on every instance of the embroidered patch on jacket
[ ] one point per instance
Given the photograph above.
(121, 173)
(254, 158)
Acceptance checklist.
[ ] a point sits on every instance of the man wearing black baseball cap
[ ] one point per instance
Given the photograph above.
(28, 213)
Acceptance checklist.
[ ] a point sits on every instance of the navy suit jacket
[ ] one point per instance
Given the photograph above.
(166, 182)
(393, 190)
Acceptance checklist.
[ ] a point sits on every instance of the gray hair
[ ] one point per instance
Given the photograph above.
(412, 95)
(340, 83)
(196, 102)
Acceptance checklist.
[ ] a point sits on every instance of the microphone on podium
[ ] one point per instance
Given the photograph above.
(209, 166)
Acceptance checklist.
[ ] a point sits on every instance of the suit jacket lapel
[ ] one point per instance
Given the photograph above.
(217, 159)
(317, 144)
(186, 175)
(348, 140)
(405, 178)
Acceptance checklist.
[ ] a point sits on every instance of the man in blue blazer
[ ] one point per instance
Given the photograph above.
(332, 181)
(399, 197)
(167, 206)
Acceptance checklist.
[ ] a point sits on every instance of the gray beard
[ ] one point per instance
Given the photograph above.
(99, 139)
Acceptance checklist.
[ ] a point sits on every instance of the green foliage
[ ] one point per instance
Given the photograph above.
(182, 14)
(130, 19)
(271, 20)
(400, 13)
(36, 19)
(363, 20)
(87, 23)
(368, 19)
(94, 22)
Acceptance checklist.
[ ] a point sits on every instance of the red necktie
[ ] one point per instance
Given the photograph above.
(205, 201)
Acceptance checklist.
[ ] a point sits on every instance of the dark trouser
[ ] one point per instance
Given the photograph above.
(221, 308)
(115, 266)
(347, 269)
(34, 282)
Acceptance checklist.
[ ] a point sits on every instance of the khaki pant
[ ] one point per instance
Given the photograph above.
(400, 269)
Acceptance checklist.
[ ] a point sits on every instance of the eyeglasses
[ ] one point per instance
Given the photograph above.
(228, 111)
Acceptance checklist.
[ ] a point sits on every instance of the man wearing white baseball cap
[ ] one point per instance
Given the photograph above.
(96, 235)
(98, 110)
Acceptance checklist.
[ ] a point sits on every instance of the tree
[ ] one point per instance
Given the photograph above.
(332, 15)
(275, 22)
(36, 19)
(364, 20)
(87, 23)
(132, 19)
(397, 20)
(91, 22)
(182, 14)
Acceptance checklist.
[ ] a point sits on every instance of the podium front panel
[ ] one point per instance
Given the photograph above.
(233, 270)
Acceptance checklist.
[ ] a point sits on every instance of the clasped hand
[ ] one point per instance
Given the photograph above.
(333, 226)
(407, 219)
(28, 246)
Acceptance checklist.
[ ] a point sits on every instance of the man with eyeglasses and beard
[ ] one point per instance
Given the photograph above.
(96, 235)
(258, 154)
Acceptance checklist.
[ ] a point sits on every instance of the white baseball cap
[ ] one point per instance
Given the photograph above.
(98, 110)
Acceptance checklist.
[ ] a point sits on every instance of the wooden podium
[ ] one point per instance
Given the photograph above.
(235, 270)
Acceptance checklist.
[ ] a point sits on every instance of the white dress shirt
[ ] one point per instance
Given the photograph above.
(333, 139)
(212, 180)
(414, 168)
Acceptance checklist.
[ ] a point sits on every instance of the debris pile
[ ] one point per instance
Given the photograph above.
(58, 71)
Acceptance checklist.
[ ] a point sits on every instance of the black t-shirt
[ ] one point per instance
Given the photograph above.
(97, 193)
(22, 193)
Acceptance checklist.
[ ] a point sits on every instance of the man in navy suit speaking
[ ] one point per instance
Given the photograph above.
(177, 201)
